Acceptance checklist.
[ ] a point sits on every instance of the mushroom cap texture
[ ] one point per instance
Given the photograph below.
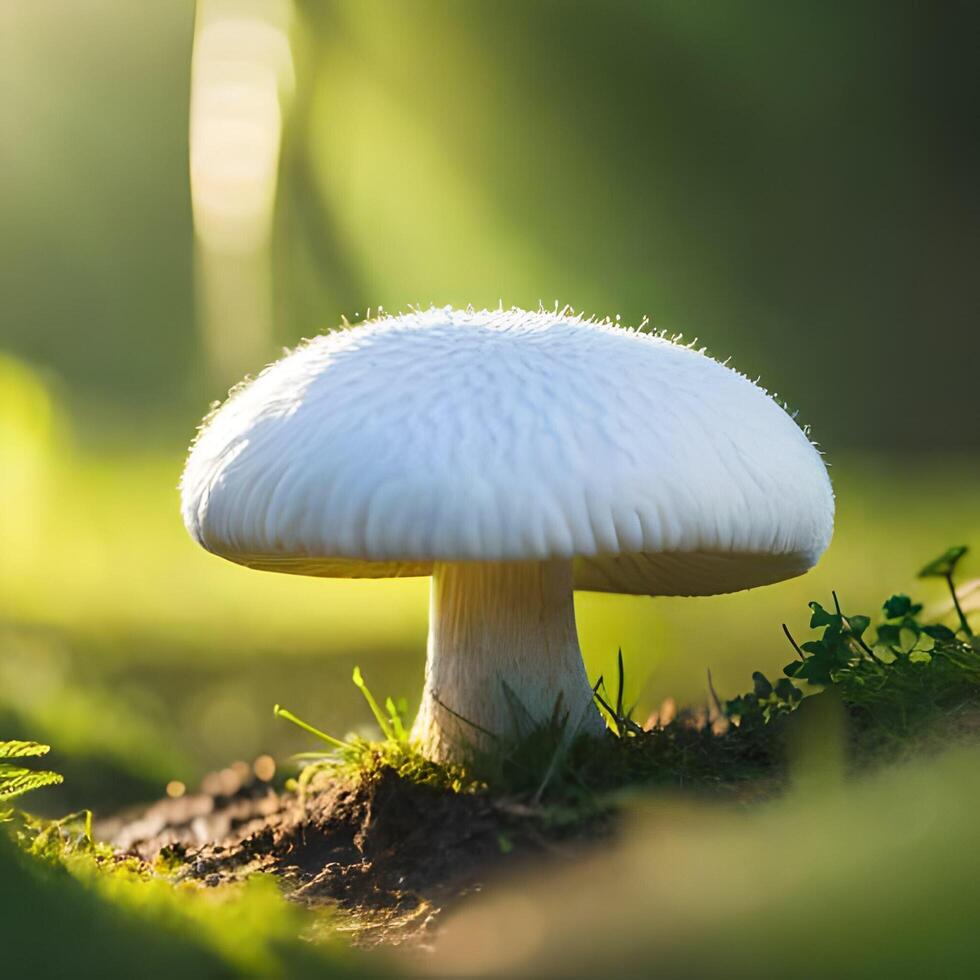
(449, 436)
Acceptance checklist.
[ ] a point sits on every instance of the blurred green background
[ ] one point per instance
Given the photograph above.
(186, 189)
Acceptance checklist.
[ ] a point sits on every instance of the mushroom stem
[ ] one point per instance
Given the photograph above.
(502, 649)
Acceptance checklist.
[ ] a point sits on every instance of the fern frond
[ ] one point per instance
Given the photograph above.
(15, 781)
(18, 750)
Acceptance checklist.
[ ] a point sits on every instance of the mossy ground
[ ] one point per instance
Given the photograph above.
(392, 839)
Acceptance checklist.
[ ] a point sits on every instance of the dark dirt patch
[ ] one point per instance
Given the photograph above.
(391, 854)
(230, 805)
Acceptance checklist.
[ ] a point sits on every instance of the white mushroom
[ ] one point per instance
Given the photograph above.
(514, 457)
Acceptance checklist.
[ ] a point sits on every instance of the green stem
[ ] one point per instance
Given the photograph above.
(964, 625)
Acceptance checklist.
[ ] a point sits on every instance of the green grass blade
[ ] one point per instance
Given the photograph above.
(396, 720)
(379, 715)
(620, 687)
(281, 712)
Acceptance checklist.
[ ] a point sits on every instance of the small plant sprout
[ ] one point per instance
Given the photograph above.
(359, 756)
(513, 457)
(944, 567)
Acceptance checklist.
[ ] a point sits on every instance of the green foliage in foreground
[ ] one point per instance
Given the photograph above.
(896, 680)
(116, 916)
(74, 910)
(903, 679)
(873, 877)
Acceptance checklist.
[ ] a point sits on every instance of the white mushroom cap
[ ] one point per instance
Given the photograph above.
(452, 436)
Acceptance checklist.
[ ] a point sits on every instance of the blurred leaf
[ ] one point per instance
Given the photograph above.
(889, 634)
(821, 617)
(788, 691)
(945, 564)
(885, 653)
(900, 605)
(907, 639)
(761, 684)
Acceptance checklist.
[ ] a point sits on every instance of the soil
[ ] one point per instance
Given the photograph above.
(391, 854)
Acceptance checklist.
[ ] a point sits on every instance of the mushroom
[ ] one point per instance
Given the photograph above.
(513, 457)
